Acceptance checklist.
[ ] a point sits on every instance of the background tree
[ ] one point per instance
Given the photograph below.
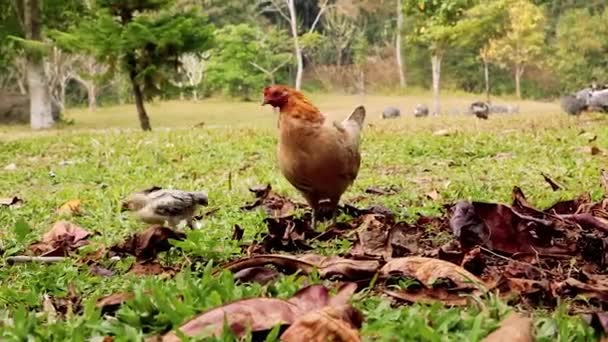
(581, 47)
(482, 23)
(522, 44)
(146, 37)
(41, 115)
(244, 59)
(287, 10)
(435, 28)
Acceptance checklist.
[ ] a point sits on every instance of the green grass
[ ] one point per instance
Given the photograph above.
(479, 160)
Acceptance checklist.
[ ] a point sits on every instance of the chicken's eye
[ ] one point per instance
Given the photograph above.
(275, 93)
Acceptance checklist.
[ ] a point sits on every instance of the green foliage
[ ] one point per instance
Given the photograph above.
(436, 21)
(522, 43)
(581, 48)
(143, 37)
(234, 66)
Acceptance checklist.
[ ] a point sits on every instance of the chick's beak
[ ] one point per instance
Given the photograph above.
(265, 101)
(124, 206)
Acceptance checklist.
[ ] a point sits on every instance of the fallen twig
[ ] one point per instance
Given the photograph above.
(24, 258)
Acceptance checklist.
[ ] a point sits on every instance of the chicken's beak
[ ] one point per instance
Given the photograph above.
(264, 102)
(124, 206)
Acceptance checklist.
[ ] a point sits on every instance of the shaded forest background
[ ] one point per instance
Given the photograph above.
(103, 52)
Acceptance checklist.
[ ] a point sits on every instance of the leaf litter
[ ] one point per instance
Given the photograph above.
(531, 257)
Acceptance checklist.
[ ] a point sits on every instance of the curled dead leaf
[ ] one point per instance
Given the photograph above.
(599, 322)
(551, 182)
(237, 233)
(63, 238)
(260, 314)
(71, 208)
(111, 303)
(331, 323)
(11, 202)
(514, 328)
(441, 281)
(433, 195)
(146, 245)
(500, 228)
(429, 271)
(327, 266)
(385, 191)
(261, 275)
(273, 204)
(152, 268)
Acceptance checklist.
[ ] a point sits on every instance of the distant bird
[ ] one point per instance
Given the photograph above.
(165, 206)
(391, 113)
(480, 109)
(421, 110)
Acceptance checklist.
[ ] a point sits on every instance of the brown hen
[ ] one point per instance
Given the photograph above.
(319, 157)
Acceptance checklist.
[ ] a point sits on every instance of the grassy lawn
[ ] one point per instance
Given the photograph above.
(235, 149)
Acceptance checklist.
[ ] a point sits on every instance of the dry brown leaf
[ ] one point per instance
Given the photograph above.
(331, 323)
(442, 133)
(514, 328)
(71, 208)
(111, 303)
(551, 182)
(376, 190)
(146, 245)
(604, 179)
(274, 204)
(12, 202)
(63, 238)
(592, 150)
(429, 297)
(260, 314)
(152, 268)
(428, 271)
(63, 230)
(261, 275)
(433, 195)
(499, 227)
(327, 266)
(237, 233)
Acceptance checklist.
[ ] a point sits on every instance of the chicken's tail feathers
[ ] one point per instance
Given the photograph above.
(200, 197)
(358, 116)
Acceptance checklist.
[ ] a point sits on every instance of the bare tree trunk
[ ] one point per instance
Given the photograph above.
(297, 49)
(195, 95)
(436, 68)
(21, 86)
(41, 116)
(362, 81)
(92, 96)
(486, 74)
(519, 70)
(400, 65)
(144, 120)
(62, 91)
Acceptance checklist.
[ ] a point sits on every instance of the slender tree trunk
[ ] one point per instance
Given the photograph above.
(400, 65)
(92, 96)
(362, 81)
(41, 116)
(195, 95)
(21, 86)
(62, 91)
(297, 49)
(486, 74)
(519, 70)
(436, 68)
(144, 120)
